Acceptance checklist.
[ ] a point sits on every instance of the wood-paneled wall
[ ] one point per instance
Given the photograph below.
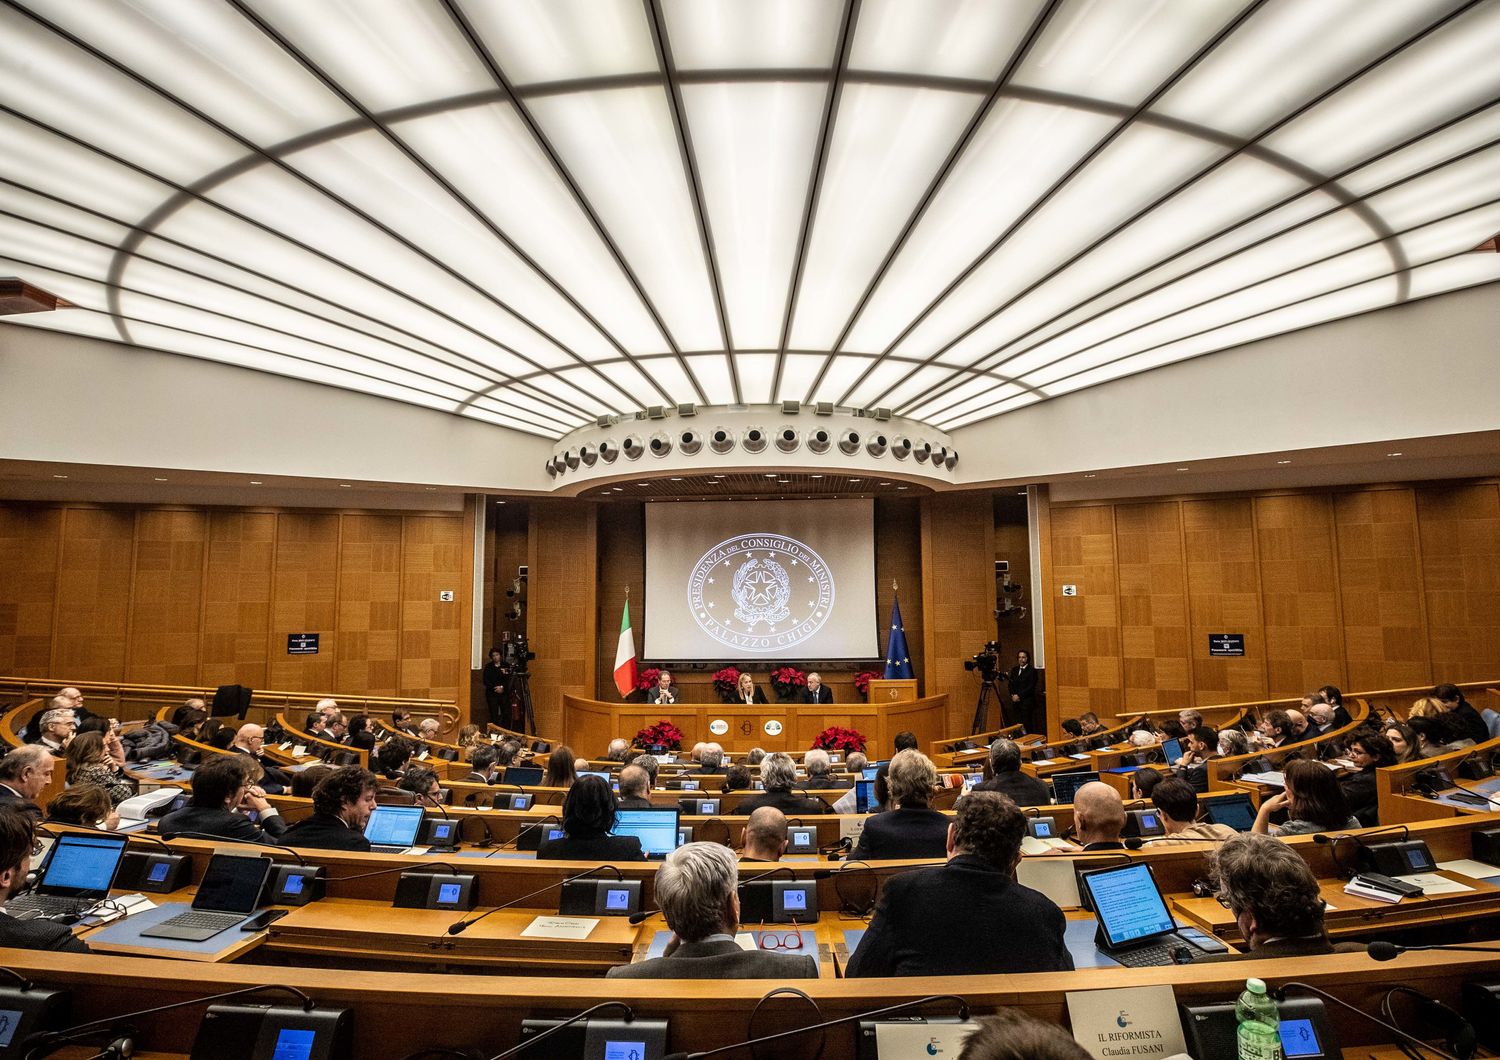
(1366, 588)
(198, 596)
(958, 597)
(562, 617)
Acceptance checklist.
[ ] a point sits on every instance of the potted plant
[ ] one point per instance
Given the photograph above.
(787, 682)
(838, 738)
(725, 682)
(862, 681)
(646, 680)
(662, 734)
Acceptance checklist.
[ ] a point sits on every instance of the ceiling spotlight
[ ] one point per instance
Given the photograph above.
(1283, 461)
(345, 486)
(720, 440)
(1387, 454)
(755, 440)
(849, 442)
(1182, 469)
(59, 476)
(950, 459)
(771, 475)
(660, 444)
(816, 476)
(676, 478)
(689, 442)
(256, 482)
(429, 489)
(819, 441)
(787, 439)
(922, 451)
(1090, 475)
(571, 459)
(608, 452)
(901, 487)
(163, 480)
(632, 447)
(589, 455)
(901, 448)
(877, 445)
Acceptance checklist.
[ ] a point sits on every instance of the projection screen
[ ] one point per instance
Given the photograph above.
(760, 580)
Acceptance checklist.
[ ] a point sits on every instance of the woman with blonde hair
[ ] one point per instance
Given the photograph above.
(1426, 707)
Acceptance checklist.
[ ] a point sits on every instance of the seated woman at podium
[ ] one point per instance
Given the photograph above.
(664, 691)
(747, 692)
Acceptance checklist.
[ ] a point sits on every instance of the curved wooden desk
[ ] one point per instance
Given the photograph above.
(589, 724)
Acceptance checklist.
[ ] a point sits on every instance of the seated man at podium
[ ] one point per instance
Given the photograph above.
(663, 691)
(746, 692)
(817, 691)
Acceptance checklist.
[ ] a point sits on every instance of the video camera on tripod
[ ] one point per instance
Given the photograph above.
(986, 663)
(515, 653)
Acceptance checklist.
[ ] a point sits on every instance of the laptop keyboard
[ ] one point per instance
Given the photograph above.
(196, 919)
(49, 905)
(1147, 956)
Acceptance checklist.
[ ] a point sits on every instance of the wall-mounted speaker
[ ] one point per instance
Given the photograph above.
(660, 444)
(877, 445)
(755, 440)
(609, 452)
(819, 441)
(791, 408)
(589, 455)
(551, 469)
(950, 459)
(689, 443)
(787, 439)
(922, 451)
(632, 447)
(571, 457)
(721, 440)
(901, 447)
(849, 442)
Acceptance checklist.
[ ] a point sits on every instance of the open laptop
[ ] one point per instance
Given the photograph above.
(79, 872)
(523, 776)
(656, 829)
(1135, 927)
(1233, 810)
(1171, 750)
(393, 829)
(1066, 785)
(228, 893)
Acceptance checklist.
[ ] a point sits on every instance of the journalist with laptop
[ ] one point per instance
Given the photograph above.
(16, 844)
(78, 874)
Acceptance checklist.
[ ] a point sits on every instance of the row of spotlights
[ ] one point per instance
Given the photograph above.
(721, 440)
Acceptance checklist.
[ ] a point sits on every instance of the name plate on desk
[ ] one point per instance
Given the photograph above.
(1133, 1021)
(573, 928)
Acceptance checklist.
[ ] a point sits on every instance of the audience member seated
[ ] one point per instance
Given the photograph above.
(187, 718)
(1098, 817)
(924, 915)
(1275, 729)
(911, 829)
(765, 835)
(778, 773)
(85, 805)
(1367, 751)
(481, 765)
(1335, 699)
(401, 721)
(1089, 724)
(1007, 778)
(342, 804)
(1437, 734)
(424, 785)
(737, 778)
(856, 762)
(1144, 746)
(696, 754)
(1274, 897)
(635, 788)
(587, 819)
(756, 756)
(1313, 801)
(1144, 781)
(25, 773)
(250, 739)
(89, 763)
(820, 775)
(1177, 802)
(697, 888)
(904, 741)
(223, 792)
(1201, 746)
(468, 736)
(1233, 742)
(619, 747)
(710, 761)
(393, 757)
(1469, 724)
(57, 728)
(428, 729)
(306, 780)
(507, 753)
(651, 764)
(17, 846)
(1403, 741)
(1012, 1035)
(1320, 717)
(360, 737)
(1189, 719)
(1300, 728)
(561, 772)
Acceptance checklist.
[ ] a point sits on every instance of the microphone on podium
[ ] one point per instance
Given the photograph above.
(963, 1014)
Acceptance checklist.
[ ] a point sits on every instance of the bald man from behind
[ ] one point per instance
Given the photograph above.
(765, 835)
(1098, 817)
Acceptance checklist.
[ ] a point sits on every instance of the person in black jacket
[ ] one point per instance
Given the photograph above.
(816, 691)
(1021, 679)
(778, 773)
(223, 791)
(250, 739)
(1368, 751)
(747, 692)
(17, 844)
(635, 789)
(496, 681)
(1468, 721)
(25, 773)
(1008, 780)
(911, 830)
(924, 914)
(342, 804)
(588, 818)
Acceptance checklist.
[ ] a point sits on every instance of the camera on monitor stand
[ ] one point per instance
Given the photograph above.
(986, 663)
(515, 653)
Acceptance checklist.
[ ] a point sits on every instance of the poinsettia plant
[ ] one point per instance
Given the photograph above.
(862, 681)
(725, 682)
(838, 738)
(646, 679)
(662, 734)
(786, 680)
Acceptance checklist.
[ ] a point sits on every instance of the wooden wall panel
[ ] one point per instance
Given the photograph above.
(622, 563)
(91, 619)
(369, 604)
(1153, 606)
(1380, 581)
(1013, 544)
(958, 598)
(1460, 537)
(1084, 665)
(1299, 594)
(29, 538)
(434, 648)
(1223, 597)
(304, 599)
(237, 599)
(562, 614)
(166, 597)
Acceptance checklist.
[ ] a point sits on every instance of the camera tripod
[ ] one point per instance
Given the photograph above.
(518, 689)
(988, 686)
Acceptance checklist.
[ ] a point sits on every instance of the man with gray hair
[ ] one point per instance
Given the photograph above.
(1007, 778)
(778, 773)
(697, 888)
(24, 774)
(651, 765)
(765, 835)
(618, 748)
(856, 762)
(635, 788)
(756, 756)
(710, 760)
(57, 727)
(819, 771)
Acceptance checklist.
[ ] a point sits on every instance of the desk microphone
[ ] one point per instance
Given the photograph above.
(820, 874)
(1135, 842)
(550, 1031)
(1333, 841)
(1280, 993)
(1389, 951)
(535, 826)
(460, 926)
(963, 1013)
(236, 842)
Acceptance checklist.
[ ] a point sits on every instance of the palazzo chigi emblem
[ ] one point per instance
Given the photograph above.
(760, 592)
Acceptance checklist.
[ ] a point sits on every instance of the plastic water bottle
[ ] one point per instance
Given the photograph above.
(1259, 1034)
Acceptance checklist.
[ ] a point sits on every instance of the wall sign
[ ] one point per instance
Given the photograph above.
(718, 726)
(773, 727)
(302, 643)
(1070, 590)
(1226, 644)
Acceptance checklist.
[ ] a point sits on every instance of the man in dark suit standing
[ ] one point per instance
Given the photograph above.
(342, 804)
(697, 888)
(1021, 679)
(817, 691)
(922, 913)
(16, 846)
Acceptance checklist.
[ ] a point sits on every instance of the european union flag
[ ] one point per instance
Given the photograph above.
(897, 658)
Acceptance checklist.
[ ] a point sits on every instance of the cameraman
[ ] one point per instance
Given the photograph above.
(496, 682)
(1021, 679)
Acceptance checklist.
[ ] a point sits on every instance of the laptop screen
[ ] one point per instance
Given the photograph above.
(1233, 810)
(1128, 904)
(523, 776)
(232, 884)
(864, 796)
(656, 829)
(1066, 785)
(1172, 750)
(82, 865)
(393, 826)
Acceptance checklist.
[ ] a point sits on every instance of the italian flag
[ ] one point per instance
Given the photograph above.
(625, 655)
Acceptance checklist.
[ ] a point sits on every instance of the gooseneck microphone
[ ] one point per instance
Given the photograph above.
(460, 926)
(550, 1031)
(1389, 1028)
(821, 874)
(963, 1013)
(1389, 951)
(236, 842)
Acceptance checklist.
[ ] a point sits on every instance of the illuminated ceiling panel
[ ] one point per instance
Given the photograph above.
(542, 212)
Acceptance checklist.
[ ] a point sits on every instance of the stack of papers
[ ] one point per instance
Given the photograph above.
(1271, 777)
